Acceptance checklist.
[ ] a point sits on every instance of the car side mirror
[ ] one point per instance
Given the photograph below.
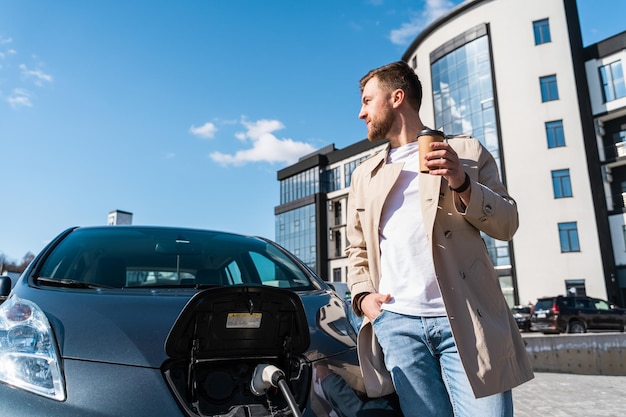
(5, 286)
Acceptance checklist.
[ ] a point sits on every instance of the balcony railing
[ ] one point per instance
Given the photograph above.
(620, 149)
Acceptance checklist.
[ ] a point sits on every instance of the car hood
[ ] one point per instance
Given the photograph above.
(131, 327)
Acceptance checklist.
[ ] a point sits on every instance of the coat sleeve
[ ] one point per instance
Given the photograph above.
(359, 278)
(491, 209)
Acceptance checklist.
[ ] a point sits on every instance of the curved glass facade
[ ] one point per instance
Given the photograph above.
(464, 103)
(463, 93)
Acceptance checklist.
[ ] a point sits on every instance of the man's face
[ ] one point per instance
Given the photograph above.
(377, 111)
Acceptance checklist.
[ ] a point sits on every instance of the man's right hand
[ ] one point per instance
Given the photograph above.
(371, 304)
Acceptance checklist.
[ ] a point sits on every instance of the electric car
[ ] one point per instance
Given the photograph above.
(165, 321)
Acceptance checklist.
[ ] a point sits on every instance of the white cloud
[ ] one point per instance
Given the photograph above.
(265, 146)
(20, 98)
(206, 131)
(38, 76)
(259, 128)
(409, 30)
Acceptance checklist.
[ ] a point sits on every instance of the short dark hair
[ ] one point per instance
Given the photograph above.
(398, 75)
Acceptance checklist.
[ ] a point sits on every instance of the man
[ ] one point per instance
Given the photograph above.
(419, 271)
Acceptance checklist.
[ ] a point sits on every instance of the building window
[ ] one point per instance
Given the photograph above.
(338, 217)
(612, 78)
(575, 287)
(295, 231)
(624, 234)
(554, 133)
(337, 275)
(568, 235)
(350, 167)
(561, 183)
(549, 90)
(622, 201)
(498, 250)
(541, 29)
(414, 62)
(338, 245)
(332, 180)
(299, 186)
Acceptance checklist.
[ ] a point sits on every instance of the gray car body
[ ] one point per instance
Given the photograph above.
(111, 343)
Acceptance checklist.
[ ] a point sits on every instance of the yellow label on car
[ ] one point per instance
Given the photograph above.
(243, 320)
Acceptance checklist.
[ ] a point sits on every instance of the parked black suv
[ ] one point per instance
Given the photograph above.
(577, 314)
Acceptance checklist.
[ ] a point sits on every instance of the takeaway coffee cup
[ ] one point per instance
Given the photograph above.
(424, 139)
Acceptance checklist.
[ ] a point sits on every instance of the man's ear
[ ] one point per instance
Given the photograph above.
(397, 97)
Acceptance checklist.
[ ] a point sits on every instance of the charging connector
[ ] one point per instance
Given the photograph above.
(266, 376)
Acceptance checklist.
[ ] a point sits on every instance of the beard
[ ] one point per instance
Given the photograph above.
(379, 128)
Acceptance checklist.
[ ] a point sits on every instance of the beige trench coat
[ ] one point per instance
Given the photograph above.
(487, 338)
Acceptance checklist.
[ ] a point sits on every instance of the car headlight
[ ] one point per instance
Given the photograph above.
(29, 358)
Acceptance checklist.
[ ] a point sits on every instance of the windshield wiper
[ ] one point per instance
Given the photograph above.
(69, 283)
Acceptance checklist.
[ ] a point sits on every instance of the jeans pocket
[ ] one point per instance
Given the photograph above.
(378, 318)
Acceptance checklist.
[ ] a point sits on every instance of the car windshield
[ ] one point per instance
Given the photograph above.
(544, 305)
(129, 257)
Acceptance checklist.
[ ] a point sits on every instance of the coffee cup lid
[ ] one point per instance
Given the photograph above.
(428, 131)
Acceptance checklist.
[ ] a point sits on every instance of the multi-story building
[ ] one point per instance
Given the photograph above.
(515, 75)
(311, 219)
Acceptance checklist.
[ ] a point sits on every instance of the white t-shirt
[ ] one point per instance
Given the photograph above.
(407, 270)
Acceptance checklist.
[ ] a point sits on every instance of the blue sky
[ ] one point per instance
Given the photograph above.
(182, 112)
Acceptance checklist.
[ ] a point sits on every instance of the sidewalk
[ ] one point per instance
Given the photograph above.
(570, 395)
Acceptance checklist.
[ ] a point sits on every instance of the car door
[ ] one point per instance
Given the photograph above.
(583, 308)
(606, 318)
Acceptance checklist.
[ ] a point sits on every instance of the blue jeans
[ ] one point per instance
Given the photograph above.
(427, 372)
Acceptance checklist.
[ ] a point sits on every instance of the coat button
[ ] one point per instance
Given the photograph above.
(488, 210)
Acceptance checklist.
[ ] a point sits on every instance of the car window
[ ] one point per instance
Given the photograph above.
(234, 273)
(601, 305)
(543, 305)
(117, 256)
(583, 303)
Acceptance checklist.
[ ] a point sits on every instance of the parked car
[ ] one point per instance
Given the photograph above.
(521, 314)
(158, 321)
(576, 314)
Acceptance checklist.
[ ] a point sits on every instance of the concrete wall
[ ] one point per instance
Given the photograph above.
(587, 354)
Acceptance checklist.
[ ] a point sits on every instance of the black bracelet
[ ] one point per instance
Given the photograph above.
(358, 300)
(463, 186)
